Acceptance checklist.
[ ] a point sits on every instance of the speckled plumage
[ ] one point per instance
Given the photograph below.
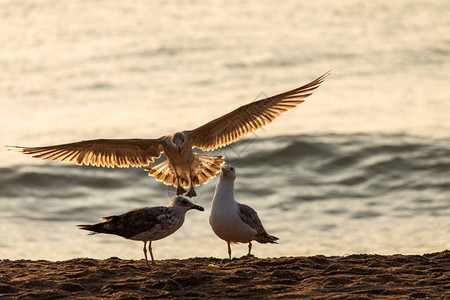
(146, 224)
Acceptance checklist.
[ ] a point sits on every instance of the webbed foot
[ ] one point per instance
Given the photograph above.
(191, 193)
(180, 190)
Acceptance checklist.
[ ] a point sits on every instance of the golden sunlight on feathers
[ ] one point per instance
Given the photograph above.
(102, 152)
(230, 127)
(183, 168)
(204, 168)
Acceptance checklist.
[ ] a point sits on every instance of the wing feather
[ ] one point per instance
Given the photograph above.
(250, 217)
(102, 152)
(230, 127)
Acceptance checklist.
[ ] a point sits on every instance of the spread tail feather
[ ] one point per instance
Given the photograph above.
(203, 167)
(163, 172)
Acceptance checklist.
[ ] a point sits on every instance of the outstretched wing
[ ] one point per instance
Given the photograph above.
(230, 127)
(103, 152)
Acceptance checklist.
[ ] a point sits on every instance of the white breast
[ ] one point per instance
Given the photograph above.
(226, 222)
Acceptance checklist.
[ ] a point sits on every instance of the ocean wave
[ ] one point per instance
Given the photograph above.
(379, 163)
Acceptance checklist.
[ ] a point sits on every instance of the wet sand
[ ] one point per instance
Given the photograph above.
(318, 277)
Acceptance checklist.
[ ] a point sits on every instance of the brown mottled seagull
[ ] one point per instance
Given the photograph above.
(146, 224)
(183, 168)
(232, 221)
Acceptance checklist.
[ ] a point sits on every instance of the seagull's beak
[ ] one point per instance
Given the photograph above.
(197, 207)
(225, 171)
(179, 150)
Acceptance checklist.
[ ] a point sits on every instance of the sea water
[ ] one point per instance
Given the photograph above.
(363, 166)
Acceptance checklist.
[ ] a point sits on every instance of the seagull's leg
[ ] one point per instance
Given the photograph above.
(180, 190)
(151, 253)
(191, 192)
(145, 252)
(249, 248)
(229, 250)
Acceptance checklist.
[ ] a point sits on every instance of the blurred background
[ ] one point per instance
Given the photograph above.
(363, 166)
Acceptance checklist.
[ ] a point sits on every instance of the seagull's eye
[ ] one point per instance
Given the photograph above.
(231, 169)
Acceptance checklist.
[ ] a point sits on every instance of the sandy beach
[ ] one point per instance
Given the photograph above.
(317, 277)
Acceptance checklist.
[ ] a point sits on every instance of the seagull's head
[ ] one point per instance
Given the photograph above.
(228, 172)
(184, 204)
(178, 139)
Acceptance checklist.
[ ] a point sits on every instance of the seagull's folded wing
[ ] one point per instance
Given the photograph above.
(102, 152)
(249, 216)
(137, 221)
(230, 127)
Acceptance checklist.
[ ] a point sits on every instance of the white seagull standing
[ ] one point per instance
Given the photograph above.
(183, 168)
(234, 222)
(146, 224)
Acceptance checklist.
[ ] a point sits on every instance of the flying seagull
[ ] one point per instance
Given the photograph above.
(183, 168)
(234, 222)
(146, 224)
